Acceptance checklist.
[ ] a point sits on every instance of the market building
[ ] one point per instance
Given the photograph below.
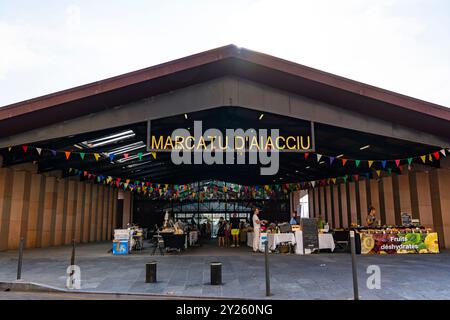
(78, 164)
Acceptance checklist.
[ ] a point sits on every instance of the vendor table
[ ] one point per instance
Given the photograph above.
(174, 241)
(276, 238)
(273, 238)
(326, 241)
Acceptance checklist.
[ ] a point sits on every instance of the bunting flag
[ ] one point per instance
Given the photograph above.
(82, 155)
(306, 155)
(436, 155)
(318, 157)
(111, 156)
(370, 162)
(39, 150)
(9, 149)
(154, 155)
(25, 148)
(125, 155)
(410, 160)
(344, 161)
(397, 162)
(357, 162)
(378, 172)
(383, 164)
(423, 158)
(67, 154)
(53, 152)
(443, 152)
(140, 155)
(96, 156)
(332, 160)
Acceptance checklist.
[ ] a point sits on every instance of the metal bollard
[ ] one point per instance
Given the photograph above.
(216, 273)
(266, 258)
(354, 267)
(150, 272)
(19, 264)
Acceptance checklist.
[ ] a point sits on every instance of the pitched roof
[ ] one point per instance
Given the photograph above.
(227, 60)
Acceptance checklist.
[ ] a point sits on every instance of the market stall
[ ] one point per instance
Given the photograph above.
(326, 241)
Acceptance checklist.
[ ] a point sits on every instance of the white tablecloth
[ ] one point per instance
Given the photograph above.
(274, 239)
(250, 239)
(277, 238)
(193, 237)
(326, 241)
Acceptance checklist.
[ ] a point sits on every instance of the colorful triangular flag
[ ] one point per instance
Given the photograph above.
(370, 162)
(82, 155)
(423, 158)
(39, 150)
(67, 154)
(318, 157)
(357, 162)
(25, 148)
(140, 155)
(397, 162)
(96, 156)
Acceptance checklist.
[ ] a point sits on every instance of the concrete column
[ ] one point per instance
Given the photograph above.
(336, 206)
(404, 194)
(20, 201)
(61, 213)
(311, 203)
(110, 213)
(71, 211)
(443, 177)
(329, 206)
(389, 200)
(344, 205)
(375, 198)
(126, 209)
(316, 202)
(424, 199)
(114, 213)
(36, 211)
(105, 212)
(87, 213)
(49, 211)
(94, 214)
(353, 210)
(79, 220)
(363, 200)
(99, 221)
(6, 176)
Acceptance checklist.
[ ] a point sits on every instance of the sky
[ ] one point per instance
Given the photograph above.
(399, 45)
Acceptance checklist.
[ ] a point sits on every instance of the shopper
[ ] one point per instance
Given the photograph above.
(235, 231)
(221, 232)
(227, 233)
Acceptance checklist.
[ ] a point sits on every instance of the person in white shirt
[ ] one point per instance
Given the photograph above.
(256, 229)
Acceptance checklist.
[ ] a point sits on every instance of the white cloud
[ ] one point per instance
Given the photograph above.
(367, 41)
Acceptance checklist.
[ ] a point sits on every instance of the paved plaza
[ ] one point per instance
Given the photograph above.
(318, 276)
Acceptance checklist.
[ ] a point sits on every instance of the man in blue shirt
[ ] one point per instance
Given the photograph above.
(293, 219)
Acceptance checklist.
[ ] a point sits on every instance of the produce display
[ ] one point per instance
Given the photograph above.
(396, 241)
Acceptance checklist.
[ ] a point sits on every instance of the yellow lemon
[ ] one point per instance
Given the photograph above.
(431, 241)
(367, 244)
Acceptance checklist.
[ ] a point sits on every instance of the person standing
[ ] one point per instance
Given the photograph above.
(235, 231)
(372, 218)
(256, 229)
(221, 232)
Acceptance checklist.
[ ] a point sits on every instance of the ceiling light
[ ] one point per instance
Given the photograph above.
(365, 147)
(261, 116)
(185, 116)
(321, 162)
(308, 167)
(340, 156)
